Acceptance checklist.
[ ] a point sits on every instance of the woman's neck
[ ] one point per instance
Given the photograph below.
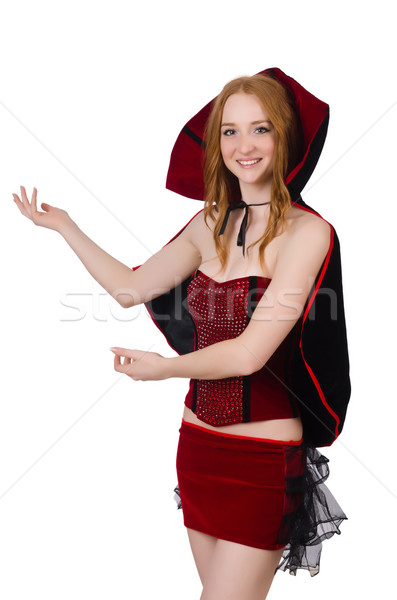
(255, 193)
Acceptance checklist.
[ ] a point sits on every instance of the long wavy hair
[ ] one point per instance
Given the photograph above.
(221, 185)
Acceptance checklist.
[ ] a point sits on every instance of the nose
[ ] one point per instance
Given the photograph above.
(245, 145)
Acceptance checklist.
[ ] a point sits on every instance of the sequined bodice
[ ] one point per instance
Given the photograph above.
(221, 311)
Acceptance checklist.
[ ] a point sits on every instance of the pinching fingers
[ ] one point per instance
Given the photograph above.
(122, 366)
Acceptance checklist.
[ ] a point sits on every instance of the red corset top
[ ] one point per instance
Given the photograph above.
(221, 311)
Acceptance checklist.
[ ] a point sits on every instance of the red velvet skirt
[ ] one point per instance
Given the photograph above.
(237, 488)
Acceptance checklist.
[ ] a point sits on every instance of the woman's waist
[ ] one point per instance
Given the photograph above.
(287, 429)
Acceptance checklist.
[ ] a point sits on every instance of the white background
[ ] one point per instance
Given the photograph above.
(93, 96)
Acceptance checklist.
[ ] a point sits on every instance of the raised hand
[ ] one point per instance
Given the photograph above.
(53, 217)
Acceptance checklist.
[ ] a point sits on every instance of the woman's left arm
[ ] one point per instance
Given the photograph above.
(280, 307)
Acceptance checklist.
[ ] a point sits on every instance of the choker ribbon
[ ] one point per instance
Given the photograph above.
(243, 227)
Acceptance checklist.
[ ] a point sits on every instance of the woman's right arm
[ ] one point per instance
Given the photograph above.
(162, 272)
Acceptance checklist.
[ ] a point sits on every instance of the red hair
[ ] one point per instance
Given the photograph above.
(221, 185)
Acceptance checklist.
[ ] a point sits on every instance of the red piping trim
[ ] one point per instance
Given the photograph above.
(311, 300)
(180, 231)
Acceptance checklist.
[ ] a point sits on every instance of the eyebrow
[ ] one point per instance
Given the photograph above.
(253, 123)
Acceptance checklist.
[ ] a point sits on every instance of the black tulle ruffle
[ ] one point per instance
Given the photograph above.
(317, 517)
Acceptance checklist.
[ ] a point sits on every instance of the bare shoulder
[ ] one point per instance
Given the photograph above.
(303, 246)
(197, 230)
(196, 223)
(306, 229)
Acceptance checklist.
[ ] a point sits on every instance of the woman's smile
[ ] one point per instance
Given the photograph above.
(248, 163)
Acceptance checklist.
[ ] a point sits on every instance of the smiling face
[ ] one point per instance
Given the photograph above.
(247, 140)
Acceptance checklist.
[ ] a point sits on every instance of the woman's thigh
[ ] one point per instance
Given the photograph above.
(239, 572)
(202, 546)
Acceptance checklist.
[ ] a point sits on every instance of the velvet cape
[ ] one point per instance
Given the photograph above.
(320, 379)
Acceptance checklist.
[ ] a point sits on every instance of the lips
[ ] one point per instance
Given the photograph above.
(247, 163)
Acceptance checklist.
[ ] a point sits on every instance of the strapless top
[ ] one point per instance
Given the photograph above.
(221, 311)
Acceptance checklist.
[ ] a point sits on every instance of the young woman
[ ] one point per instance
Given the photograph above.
(263, 391)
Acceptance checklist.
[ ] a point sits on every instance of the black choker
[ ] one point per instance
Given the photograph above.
(241, 233)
